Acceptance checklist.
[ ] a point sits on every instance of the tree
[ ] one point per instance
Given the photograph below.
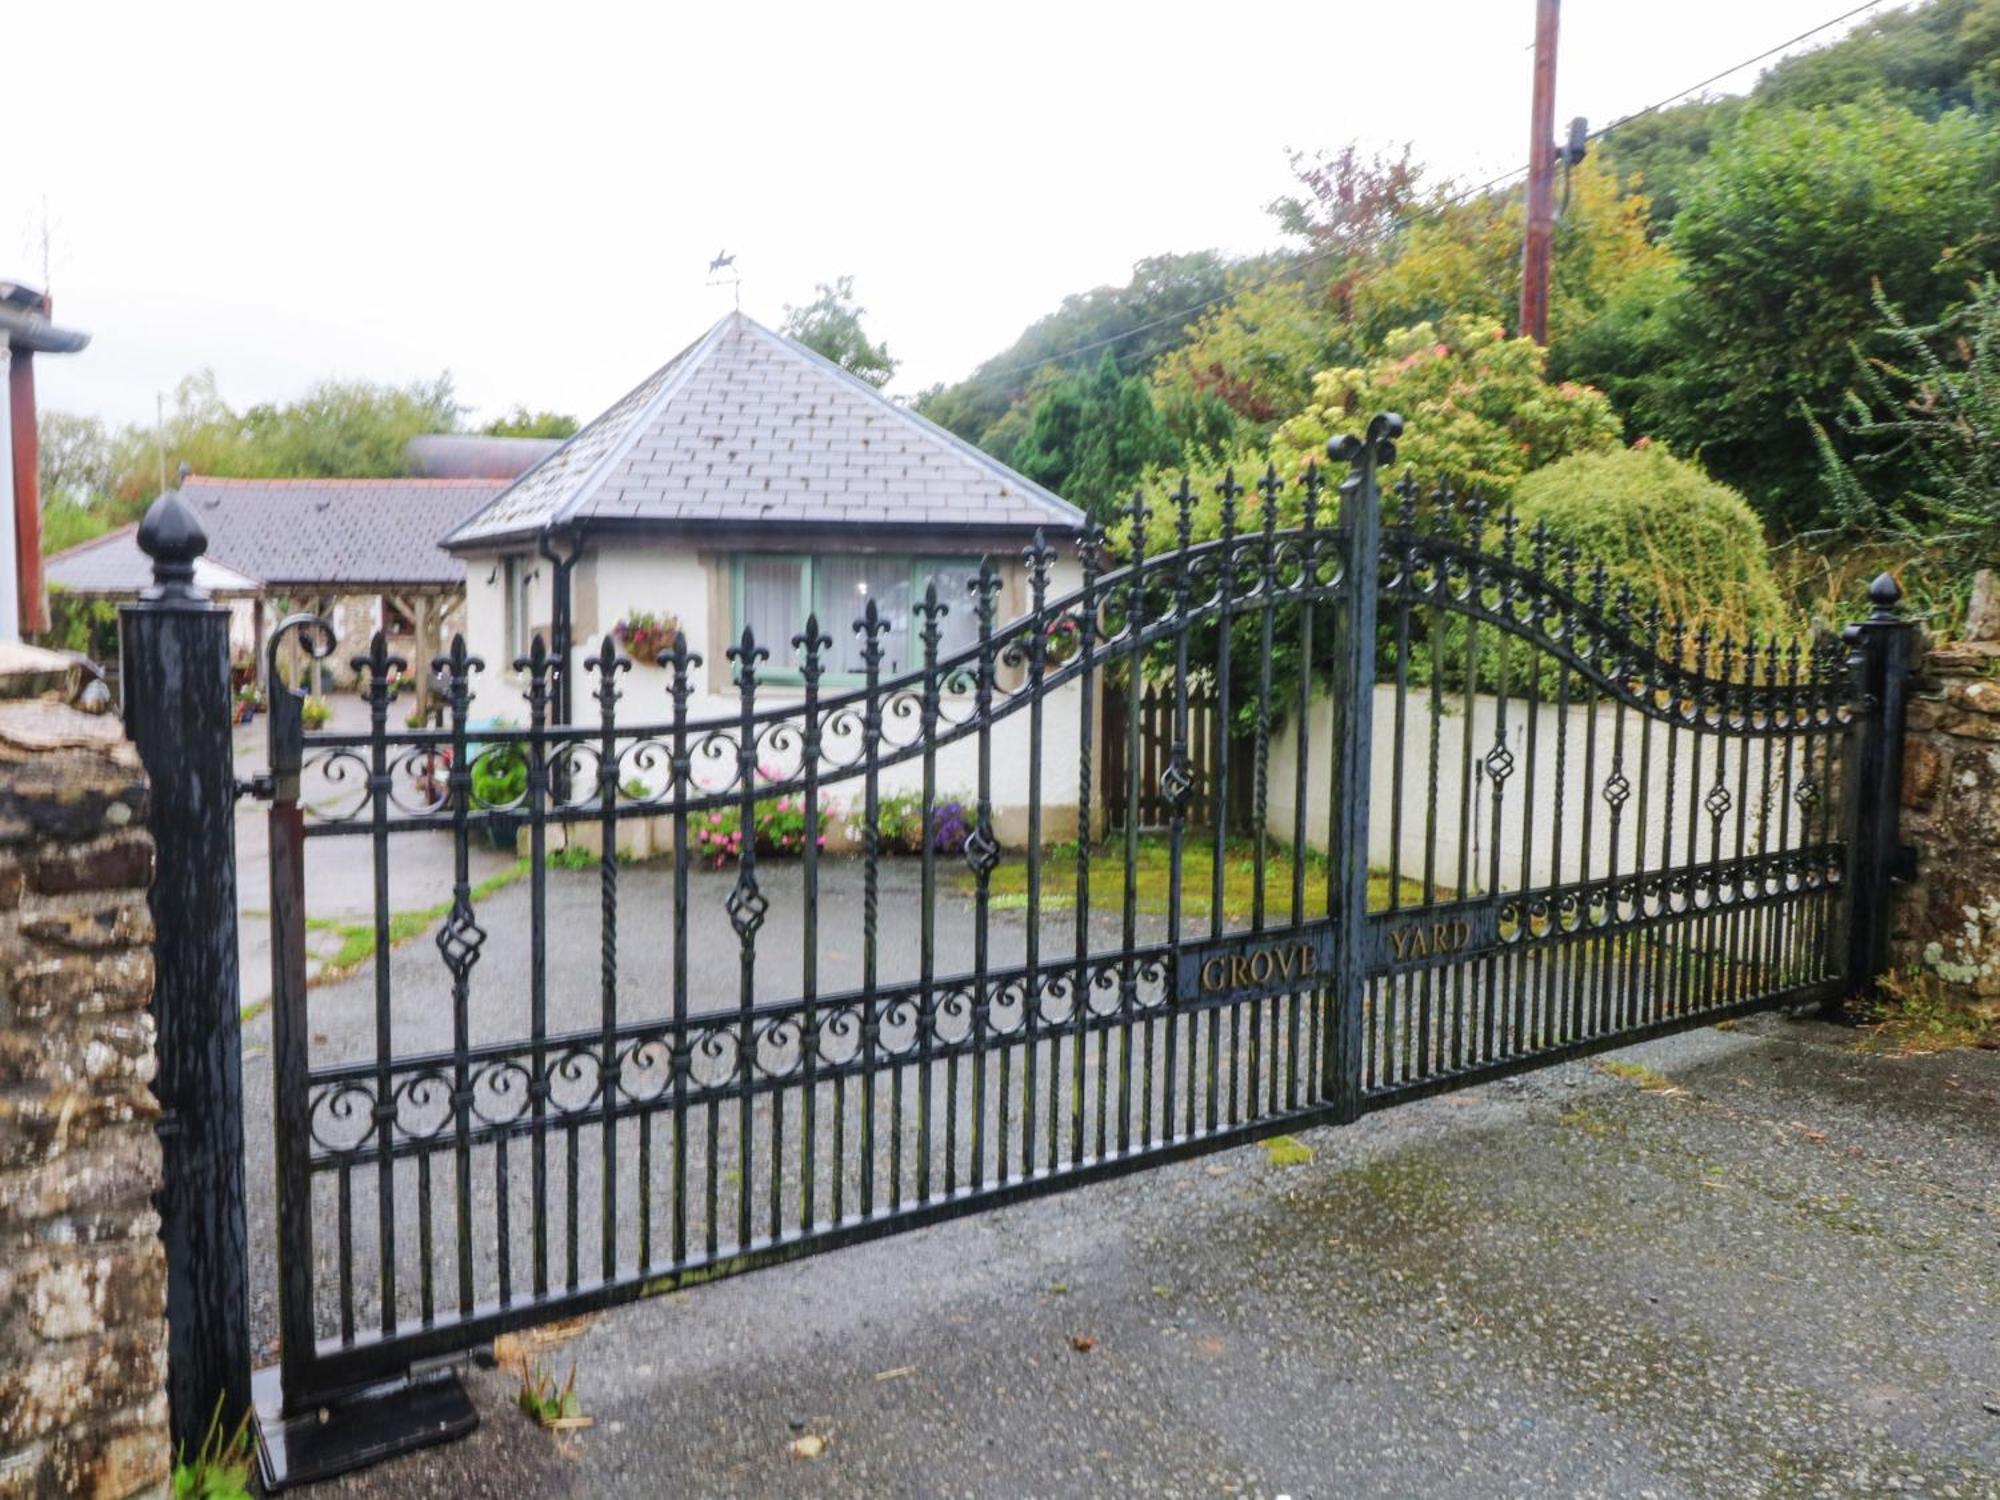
(1785, 230)
(830, 325)
(1656, 154)
(1929, 59)
(1089, 437)
(1138, 322)
(352, 429)
(337, 429)
(1464, 259)
(1922, 424)
(1254, 357)
(520, 422)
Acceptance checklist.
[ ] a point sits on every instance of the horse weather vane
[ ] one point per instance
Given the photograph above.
(722, 272)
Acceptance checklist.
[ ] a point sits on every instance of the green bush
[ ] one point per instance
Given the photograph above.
(1680, 540)
(499, 775)
(778, 826)
(80, 624)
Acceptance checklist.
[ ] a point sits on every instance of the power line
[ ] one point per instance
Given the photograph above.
(1314, 257)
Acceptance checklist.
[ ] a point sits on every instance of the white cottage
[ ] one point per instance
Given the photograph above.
(748, 482)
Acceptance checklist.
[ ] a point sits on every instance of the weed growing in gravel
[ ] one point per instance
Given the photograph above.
(558, 1409)
(220, 1470)
(1913, 1014)
(1637, 1073)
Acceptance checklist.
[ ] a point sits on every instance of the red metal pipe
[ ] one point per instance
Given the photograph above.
(27, 492)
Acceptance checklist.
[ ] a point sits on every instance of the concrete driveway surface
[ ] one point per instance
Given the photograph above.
(1769, 1266)
(1774, 1270)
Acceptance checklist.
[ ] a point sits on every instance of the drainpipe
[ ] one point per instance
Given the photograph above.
(25, 329)
(10, 553)
(31, 604)
(560, 623)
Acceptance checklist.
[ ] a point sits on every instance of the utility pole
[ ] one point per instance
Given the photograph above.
(1539, 242)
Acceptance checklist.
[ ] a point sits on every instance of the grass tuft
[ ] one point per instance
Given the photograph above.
(1914, 1013)
(1153, 880)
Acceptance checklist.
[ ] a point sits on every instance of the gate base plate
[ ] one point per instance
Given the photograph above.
(359, 1429)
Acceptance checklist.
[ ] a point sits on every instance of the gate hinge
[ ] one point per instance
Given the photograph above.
(262, 786)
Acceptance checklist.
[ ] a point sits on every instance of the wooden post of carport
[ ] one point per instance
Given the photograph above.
(424, 648)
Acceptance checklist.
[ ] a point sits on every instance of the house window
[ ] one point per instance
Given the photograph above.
(775, 593)
(518, 575)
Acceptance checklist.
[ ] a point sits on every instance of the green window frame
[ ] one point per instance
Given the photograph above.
(782, 668)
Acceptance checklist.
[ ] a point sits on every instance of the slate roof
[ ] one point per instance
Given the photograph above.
(746, 427)
(112, 564)
(325, 535)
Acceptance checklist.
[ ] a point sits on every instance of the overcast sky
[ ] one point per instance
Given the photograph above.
(528, 196)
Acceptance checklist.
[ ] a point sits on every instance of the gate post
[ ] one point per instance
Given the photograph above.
(175, 678)
(1354, 718)
(1881, 658)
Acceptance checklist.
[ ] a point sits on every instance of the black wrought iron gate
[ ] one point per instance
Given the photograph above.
(1499, 818)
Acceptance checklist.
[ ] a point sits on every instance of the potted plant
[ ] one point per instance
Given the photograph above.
(248, 701)
(1061, 640)
(315, 712)
(499, 781)
(647, 637)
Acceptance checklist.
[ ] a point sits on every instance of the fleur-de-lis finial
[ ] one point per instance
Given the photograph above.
(1090, 550)
(1139, 513)
(1183, 499)
(809, 643)
(607, 664)
(380, 667)
(1312, 484)
(1268, 486)
(1231, 492)
(932, 612)
(1039, 557)
(746, 653)
(1406, 501)
(683, 661)
(1378, 444)
(871, 627)
(457, 666)
(984, 586)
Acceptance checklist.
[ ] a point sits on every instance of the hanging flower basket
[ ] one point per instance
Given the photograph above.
(647, 637)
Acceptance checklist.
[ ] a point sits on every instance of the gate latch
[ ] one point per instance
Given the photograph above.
(262, 786)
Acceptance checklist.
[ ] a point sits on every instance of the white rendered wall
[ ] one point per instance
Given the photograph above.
(615, 580)
(1644, 827)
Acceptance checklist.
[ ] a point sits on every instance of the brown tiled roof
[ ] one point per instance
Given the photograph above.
(746, 427)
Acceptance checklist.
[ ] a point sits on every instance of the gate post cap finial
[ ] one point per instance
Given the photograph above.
(172, 537)
(1380, 442)
(1885, 594)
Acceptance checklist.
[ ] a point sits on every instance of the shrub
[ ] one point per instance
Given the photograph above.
(778, 826)
(899, 823)
(499, 776)
(1480, 408)
(1681, 540)
(89, 626)
(1925, 421)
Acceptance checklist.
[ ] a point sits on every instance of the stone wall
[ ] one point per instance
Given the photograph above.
(1947, 922)
(83, 1334)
